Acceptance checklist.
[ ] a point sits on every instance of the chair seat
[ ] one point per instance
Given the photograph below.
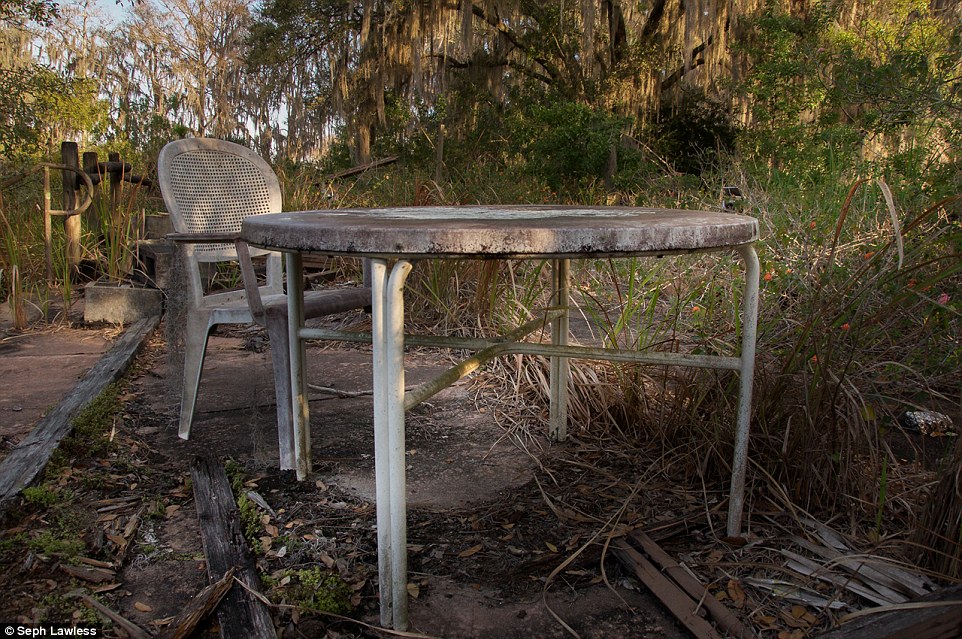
(321, 303)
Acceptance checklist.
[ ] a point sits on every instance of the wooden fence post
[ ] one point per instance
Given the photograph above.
(69, 155)
(92, 214)
(116, 186)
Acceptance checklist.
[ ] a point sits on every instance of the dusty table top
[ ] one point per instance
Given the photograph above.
(500, 231)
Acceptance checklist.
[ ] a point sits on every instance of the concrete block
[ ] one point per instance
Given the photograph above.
(156, 261)
(120, 303)
(157, 225)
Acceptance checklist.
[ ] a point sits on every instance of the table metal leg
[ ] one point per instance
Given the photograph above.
(736, 500)
(387, 312)
(299, 403)
(381, 449)
(559, 369)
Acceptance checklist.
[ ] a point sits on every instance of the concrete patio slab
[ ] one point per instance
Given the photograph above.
(38, 368)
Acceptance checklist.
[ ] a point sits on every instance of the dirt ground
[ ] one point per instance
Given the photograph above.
(508, 533)
(483, 542)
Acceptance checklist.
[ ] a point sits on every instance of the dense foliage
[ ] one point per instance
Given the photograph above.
(42, 105)
(19, 11)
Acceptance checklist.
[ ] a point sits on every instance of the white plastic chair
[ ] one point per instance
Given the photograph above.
(209, 187)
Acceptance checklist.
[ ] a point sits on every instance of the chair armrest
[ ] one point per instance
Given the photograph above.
(202, 238)
(250, 281)
(251, 290)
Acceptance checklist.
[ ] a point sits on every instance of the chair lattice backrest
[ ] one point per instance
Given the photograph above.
(214, 186)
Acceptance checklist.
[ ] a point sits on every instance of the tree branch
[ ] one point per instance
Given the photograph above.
(512, 37)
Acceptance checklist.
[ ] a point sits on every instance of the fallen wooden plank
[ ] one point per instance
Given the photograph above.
(859, 566)
(809, 568)
(718, 611)
(200, 606)
(26, 462)
(917, 583)
(93, 575)
(362, 168)
(241, 614)
(133, 630)
(938, 615)
(795, 592)
(675, 599)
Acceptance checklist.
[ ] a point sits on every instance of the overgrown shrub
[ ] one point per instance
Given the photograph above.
(567, 143)
(692, 135)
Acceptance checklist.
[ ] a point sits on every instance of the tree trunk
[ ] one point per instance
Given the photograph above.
(362, 143)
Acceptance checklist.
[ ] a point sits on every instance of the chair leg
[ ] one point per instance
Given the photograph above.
(198, 328)
(560, 370)
(281, 360)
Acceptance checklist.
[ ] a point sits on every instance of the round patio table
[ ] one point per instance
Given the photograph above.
(393, 238)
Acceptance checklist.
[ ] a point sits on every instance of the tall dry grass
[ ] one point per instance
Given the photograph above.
(859, 323)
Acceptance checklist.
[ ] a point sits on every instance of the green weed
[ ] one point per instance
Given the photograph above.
(48, 542)
(57, 608)
(250, 516)
(91, 429)
(320, 590)
(42, 496)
